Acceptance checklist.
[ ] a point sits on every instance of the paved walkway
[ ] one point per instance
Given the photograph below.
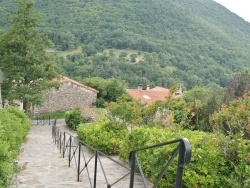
(43, 165)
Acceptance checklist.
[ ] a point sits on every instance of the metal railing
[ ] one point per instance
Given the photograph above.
(44, 121)
(184, 151)
(76, 152)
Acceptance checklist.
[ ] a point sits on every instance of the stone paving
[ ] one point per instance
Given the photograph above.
(44, 167)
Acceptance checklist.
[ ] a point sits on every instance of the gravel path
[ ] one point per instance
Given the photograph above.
(43, 165)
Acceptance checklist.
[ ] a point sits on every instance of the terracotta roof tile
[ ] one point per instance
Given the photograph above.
(149, 96)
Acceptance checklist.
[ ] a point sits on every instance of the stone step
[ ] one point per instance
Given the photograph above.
(44, 167)
(35, 184)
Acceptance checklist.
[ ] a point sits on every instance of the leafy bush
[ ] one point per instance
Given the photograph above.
(103, 136)
(234, 118)
(209, 167)
(74, 117)
(14, 126)
(100, 102)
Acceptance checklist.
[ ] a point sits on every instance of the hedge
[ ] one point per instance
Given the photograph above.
(211, 165)
(14, 126)
(104, 136)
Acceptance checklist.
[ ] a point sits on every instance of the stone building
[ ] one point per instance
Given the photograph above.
(69, 95)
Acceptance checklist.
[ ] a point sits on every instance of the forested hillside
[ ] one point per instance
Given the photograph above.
(188, 42)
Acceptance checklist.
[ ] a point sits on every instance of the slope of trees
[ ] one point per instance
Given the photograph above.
(189, 42)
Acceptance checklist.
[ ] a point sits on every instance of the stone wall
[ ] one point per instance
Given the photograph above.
(66, 97)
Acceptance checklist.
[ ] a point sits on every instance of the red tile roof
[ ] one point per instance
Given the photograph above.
(149, 96)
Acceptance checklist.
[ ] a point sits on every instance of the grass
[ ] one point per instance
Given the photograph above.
(97, 112)
(129, 52)
(53, 115)
(69, 52)
(116, 52)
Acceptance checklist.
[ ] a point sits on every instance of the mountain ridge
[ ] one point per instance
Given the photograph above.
(200, 38)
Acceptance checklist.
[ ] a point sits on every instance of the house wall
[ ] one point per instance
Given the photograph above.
(66, 97)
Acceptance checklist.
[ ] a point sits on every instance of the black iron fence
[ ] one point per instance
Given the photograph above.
(184, 151)
(43, 121)
(89, 160)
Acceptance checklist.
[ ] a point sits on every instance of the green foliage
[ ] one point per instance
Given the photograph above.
(201, 103)
(127, 112)
(234, 118)
(109, 89)
(237, 160)
(74, 117)
(100, 102)
(188, 43)
(238, 86)
(209, 167)
(14, 126)
(23, 58)
(133, 113)
(103, 135)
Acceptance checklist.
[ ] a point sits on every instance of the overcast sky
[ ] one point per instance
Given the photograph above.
(240, 7)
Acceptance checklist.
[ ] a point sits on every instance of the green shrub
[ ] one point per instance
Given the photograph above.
(209, 166)
(103, 136)
(24, 120)
(100, 102)
(74, 117)
(14, 126)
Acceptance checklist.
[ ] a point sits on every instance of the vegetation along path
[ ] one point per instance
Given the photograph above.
(44, 167)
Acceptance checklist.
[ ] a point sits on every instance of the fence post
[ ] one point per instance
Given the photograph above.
(64, 147)
(53, 136)
(69, 149)
(79, 162)
(57, 137)
(95, 171)
(184, 157)
(132, 166)
(60, 138)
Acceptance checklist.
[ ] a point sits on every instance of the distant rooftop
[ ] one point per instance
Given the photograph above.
(149, 96)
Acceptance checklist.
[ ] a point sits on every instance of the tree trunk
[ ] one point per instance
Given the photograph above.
(25, 106)
(1, 103)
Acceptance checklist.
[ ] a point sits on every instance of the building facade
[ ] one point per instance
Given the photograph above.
(69, 95)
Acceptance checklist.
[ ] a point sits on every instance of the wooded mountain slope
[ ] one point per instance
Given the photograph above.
(182, 41)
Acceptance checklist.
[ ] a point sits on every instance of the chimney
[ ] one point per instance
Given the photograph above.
(148, 87)
(140, 87)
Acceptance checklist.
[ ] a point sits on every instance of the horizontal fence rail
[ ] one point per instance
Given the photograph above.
(43, 121)
(184, 151)
(88, 160)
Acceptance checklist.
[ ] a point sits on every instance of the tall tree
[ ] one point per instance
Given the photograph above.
(238, 86)
(26, 64)
(1, 79)
(110, 90)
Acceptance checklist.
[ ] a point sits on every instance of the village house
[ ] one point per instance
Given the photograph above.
(149, 96)
(69, 95)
